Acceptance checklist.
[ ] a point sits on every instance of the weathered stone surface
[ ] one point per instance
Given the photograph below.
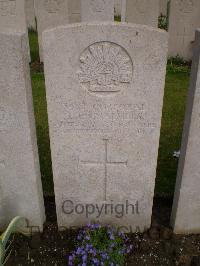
(13, 18)
(50, 13)
(123, 10)
(142, 12)
(30, 14)
(74, 7)
(20, 182)
(163, 7)
(118, 7)
(184, 19)
(97, 10)
(185, 213)
(104, 91)
(12, 15)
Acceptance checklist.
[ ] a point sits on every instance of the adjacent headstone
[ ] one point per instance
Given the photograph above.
(12, 15)
(184, 19)
(97, 10)
(74, 7)
(163, 7)
(123, 10)
(105, 86)
(118, 7)
(30, 14)
(185, 217)
(20, 182)
(50, 13)
(144, 12)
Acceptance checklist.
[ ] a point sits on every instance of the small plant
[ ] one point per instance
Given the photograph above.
(97, 245)
(163, 22)
(4, 238)
(177, 64)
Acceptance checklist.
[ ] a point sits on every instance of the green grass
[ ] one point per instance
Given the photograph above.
(40, 108)
(33, 40)
(176, 88)
(177, 80)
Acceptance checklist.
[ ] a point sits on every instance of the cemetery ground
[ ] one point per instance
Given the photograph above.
(158, 246)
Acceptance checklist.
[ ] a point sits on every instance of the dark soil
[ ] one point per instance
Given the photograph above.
(36, 66)
(158, 246)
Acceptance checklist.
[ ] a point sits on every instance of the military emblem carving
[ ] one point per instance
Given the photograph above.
(106, 68)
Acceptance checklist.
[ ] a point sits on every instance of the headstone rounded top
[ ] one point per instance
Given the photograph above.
(82, 25)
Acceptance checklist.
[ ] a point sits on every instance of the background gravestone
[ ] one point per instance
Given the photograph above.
(97, 10)
(74, 7)
(30, 14)
(144, 12)
(12, 15)
(50, 13)
(186, 207)
(163, 7)
(184, 19)
(20, 182)
(118, 7)
(105, 86)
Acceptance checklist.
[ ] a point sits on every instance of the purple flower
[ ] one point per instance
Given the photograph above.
(88, 247)
(112, 237)
(104, 256)
(97, 226)
(79, 251)
(89, 225)
(129, 249)
(79, 237)
(87, 237)
(71, 259)
(84, 258)
(95, 261)
(112, 245)
(93, 252)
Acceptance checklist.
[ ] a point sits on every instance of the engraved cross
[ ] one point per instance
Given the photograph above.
(105, 163)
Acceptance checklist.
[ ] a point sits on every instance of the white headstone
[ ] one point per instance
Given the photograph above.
(74, 7)
(30, 14)
(184, 19)
(97, 10)
(123, 10)
(105, 86)
(20, 181)
(185, 217)
(12, 15)
(163, 7)
(50, 13)
(144, 12)
(118, 7)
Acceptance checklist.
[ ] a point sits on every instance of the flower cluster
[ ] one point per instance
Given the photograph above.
(97, 245)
